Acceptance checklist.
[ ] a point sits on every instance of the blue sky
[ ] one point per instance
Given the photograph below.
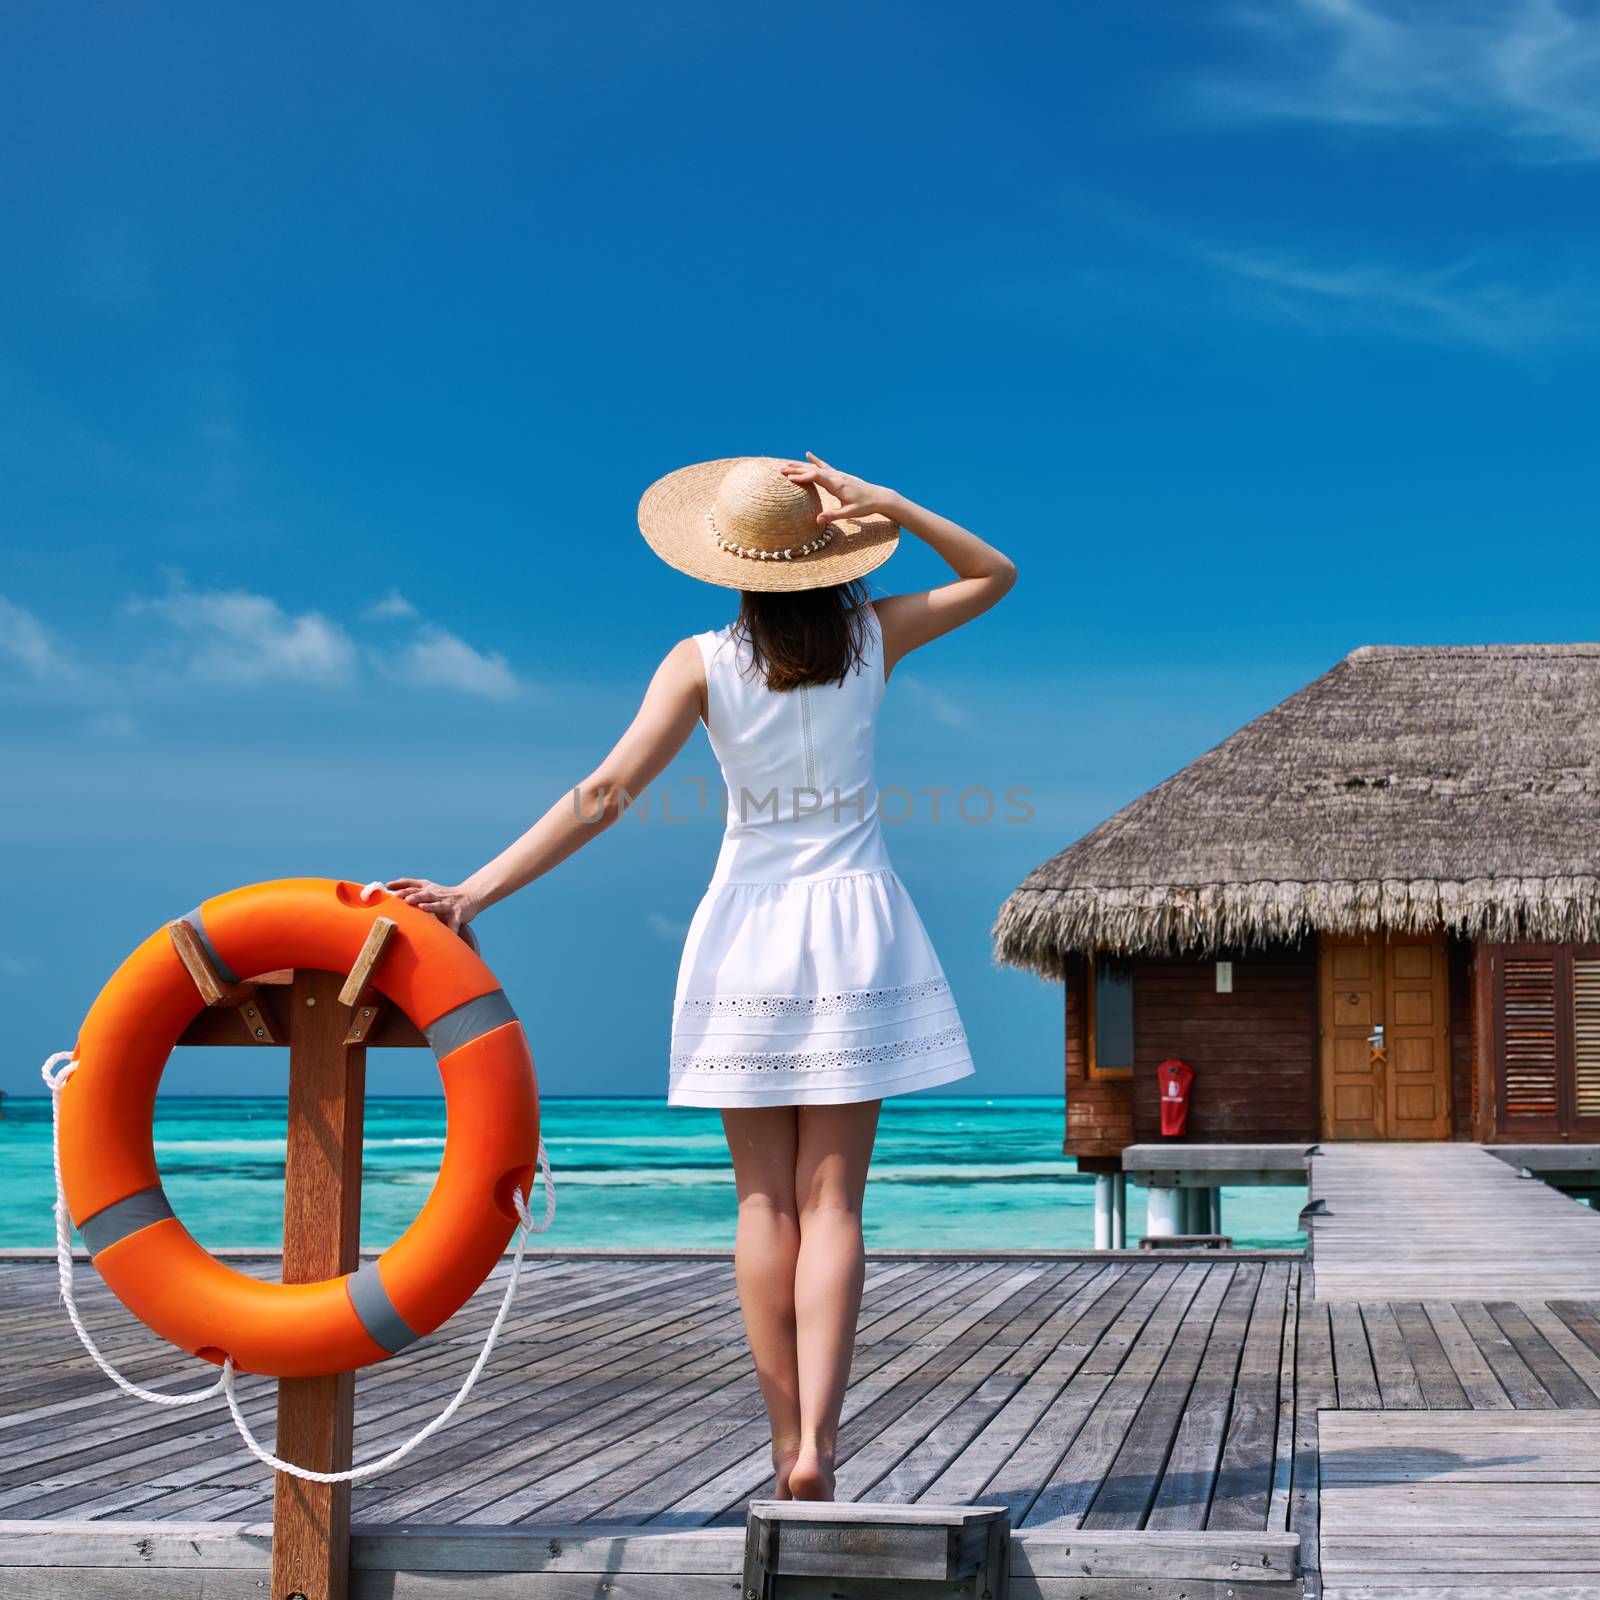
(339, 344)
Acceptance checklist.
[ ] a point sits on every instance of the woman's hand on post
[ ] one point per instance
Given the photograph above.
(856, 497)
(450, 903)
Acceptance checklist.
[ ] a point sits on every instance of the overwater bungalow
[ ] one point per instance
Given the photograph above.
(1371, 914)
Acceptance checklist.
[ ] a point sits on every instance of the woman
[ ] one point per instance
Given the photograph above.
(808, 989)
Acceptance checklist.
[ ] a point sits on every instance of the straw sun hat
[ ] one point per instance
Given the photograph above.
(741, 524)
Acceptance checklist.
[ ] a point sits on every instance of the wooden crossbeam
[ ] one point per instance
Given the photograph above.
(360, 978)
(367, 1006)
(217, 991)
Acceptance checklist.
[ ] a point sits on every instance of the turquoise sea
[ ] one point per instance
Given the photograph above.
(948, 1174)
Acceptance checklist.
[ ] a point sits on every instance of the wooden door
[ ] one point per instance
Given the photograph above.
(1416, 1037)
(1351, 973)
(1385, 1037)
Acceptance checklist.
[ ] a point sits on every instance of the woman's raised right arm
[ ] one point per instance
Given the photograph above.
(666, 718)
(983, 575)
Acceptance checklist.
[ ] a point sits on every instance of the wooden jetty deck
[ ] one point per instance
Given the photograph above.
(1244, 1425)
(1134, 1415)
(1459, 1296)
(1446, 1222)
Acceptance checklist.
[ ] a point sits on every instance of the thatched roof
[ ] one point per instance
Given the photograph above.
(1408, 788)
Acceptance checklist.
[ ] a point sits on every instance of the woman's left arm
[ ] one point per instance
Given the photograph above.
(672, 704)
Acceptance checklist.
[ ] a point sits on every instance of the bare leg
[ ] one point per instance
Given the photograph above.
(762, 1141)
(830, 1178)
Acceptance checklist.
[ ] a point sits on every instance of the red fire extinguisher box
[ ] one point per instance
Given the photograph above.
(1174, 1078)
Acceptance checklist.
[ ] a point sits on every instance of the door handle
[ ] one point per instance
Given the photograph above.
(1375, 1038)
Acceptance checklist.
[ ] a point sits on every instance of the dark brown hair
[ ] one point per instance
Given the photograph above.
(804, 635)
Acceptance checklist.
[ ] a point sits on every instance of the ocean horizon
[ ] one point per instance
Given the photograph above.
(949, 1172)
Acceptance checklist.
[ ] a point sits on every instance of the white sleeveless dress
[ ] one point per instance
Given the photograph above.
(807, 976)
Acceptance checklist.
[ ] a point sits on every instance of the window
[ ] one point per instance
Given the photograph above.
(1111, 1018)
(1546, 1035)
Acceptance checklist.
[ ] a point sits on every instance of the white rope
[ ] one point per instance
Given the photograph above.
(56, 1070)
(525, 1226)
(377, 886)
(55, 1073)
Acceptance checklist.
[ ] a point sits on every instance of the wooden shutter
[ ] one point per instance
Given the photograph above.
(1586, 1041)
(1530, 1046)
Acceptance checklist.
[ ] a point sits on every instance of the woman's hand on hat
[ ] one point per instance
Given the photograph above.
(450, 903)
(856, 497)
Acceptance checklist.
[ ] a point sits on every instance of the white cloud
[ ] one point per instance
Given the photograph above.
(393, 605)
(665, 928)
(1460, 303)
(442, 660)
(1527, 71)
(234, 636)
(25, 641)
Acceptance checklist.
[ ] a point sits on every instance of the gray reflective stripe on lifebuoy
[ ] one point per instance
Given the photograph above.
(376, 1310)
(224, 971)
(123, 1217)
(469, 1022)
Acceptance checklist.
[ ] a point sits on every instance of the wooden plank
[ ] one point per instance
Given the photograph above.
(734, 1448)
(1516, 1377)
(358, 982)
(1076, 1480)
(1243, 1490)
(1426, 1222)
(663, 1374)
(1482, 1388)
(1436, 1378)
(970, 1472)
(734, 1413)
(1125, 1495)
(172, 1548)
(1184, 1495)
(1101, 1343)
(1284, 1448)
(1391, 1360)
(400, 1376)
(1556, 1377)
(44, 1584)
(1578, 1352)
(1499, 1501)
(1352, 1358)
(406, 1376)
(1316, 1390)
(879, 1466)
(1185, 1164)
(650, 1359)
(633, 1400)
(215, 990)
(1020, 1352)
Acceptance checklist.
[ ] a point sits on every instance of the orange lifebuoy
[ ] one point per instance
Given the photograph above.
(149, 1259)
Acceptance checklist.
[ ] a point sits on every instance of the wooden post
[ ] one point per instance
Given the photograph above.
(321, 1239)
(330, 1023)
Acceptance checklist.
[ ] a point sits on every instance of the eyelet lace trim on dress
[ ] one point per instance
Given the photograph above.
(811, 1005)
(864, 1055)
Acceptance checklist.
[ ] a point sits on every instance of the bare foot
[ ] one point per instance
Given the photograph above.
(783, 1460)
(811, 1476)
